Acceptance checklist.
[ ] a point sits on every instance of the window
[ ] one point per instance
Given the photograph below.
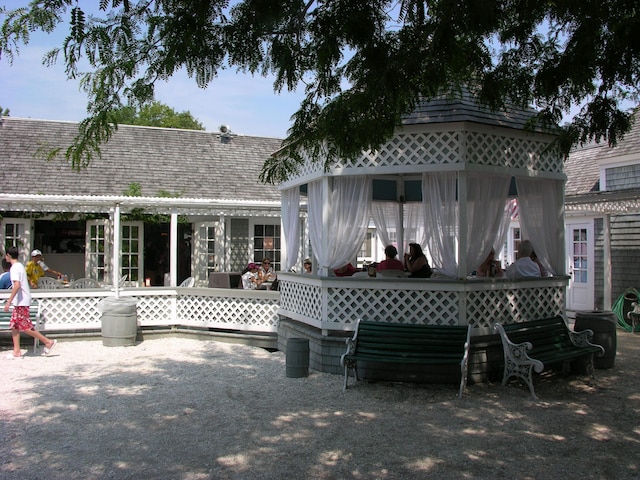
(16, 232)
(132, 251)
(96, 257)
(580, 256)
(266, 244)
(365, 255)
(515, 243)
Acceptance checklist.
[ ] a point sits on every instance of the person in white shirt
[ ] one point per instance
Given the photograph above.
(20, 298)
(524, 266)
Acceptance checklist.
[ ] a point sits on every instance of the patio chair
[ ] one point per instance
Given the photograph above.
(48, 283)
(188, 282)
(85, 283)
(122, 280)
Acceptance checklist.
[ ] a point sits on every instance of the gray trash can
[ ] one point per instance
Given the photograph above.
(297, 357)
(119, 322)
(603, 324)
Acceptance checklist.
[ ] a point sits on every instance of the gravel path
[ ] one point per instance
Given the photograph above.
(182, 408)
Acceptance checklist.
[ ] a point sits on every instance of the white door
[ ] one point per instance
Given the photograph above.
(580, 253)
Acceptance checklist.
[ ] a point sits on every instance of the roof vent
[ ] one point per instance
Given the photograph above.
(225, 133)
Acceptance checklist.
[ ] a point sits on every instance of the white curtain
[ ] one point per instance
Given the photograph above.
(509, 213)
(291, 224)
(486, 196)
(414, 231)
(347, 222)
(441, 220)
(541, 217)
(385, 217)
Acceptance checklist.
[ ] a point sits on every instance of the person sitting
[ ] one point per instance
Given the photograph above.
(490, 267)
(36, 268)
(307, 266)
(250, 280)
(524, 266)
(390, 262)
(5, 277)
(415, 262)
(345, 271)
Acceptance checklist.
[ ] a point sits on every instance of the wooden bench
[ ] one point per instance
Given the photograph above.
(34, 314)
(407, 344)
(538, 344)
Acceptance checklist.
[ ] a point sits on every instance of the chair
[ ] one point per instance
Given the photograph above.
(48, 283)
(85, 283)
(188, 282)
(122, 280)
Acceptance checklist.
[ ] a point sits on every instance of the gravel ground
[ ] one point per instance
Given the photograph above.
(182, 408)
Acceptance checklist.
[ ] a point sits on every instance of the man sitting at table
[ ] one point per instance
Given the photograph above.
(524, 266)
(36, 268)
(390, 262)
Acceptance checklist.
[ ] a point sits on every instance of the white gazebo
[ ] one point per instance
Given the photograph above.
(450, 173)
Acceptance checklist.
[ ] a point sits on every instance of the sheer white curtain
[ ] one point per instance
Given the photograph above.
(541, 217)
(386, 219)
(486, 196)
(414, 231)
(348, 219)
(441, 220)
(509, 212)
(291, 224)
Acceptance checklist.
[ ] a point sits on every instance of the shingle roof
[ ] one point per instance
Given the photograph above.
(581, 167)
(462, 107)
(186, 163)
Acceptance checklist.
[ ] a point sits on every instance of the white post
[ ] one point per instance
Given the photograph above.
(323, 270)
(173, 248)
(116, 249)
(606, 257)
(463, 244)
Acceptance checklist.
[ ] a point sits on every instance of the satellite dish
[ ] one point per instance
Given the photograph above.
(224, 128)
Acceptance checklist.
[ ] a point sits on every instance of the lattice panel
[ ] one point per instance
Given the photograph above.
(484, 308)
(257, 314)
(70, 313)
(483, 149)
(347, 305)
(155, 310)
(301, 298)
(429, 148)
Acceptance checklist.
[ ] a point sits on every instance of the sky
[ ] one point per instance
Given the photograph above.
(248, 105)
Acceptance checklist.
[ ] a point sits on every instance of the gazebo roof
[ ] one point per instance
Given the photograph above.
(462, 107)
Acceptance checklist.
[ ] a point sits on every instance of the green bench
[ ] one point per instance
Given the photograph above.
(34, 314)
(409, 345)
(539, 344)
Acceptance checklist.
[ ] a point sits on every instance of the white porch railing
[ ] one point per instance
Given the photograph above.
(335, 304)
(228, 309)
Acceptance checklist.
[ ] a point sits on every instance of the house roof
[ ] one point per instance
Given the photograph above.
(582, 190)
(184, 163)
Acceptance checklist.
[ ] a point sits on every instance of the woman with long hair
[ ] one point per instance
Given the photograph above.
(416, 263)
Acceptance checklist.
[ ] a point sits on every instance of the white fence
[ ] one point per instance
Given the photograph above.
(228, 309)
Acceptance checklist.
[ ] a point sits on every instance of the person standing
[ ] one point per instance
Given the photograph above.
(36, 268)
(20, 298)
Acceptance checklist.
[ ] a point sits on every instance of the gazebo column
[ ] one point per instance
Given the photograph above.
(462, 226)
(323, 270)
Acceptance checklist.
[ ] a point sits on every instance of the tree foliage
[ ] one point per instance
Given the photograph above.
(155, 114)
(362, 64)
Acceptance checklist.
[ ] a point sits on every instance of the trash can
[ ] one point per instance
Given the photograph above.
(603, 324)
(297, 357)
(119, 322)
